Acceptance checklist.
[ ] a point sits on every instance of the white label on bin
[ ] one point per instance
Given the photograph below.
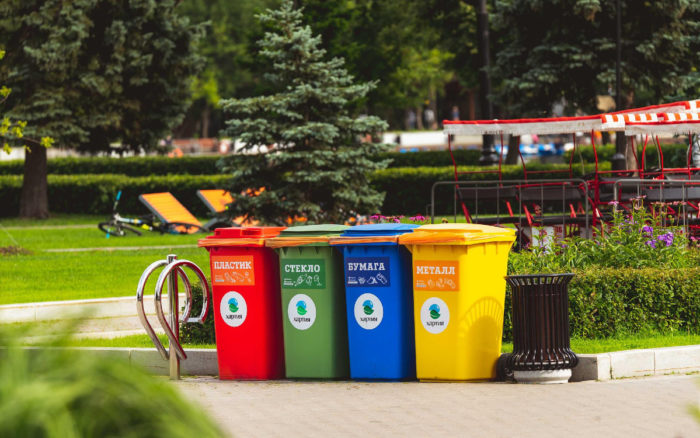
(233, 308)
(301, 311)
(434, 315)
(369, 311)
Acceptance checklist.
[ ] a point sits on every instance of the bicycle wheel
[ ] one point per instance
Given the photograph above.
(116, 229)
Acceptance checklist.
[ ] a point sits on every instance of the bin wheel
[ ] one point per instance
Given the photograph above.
(503, 372)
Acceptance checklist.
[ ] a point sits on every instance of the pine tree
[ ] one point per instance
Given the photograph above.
(320, 154)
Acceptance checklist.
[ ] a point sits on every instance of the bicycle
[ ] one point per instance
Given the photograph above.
(119, 226)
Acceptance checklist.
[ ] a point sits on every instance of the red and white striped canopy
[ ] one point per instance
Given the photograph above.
(667, 123)
(616, 121)
(557, 125)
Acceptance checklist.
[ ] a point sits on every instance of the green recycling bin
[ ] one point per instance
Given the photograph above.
(313, 302)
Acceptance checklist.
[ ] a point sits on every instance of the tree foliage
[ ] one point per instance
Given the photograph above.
(389, 42)
(231, 67)
(12, 131)
(566, 49)
(319, 164)
(92, 72)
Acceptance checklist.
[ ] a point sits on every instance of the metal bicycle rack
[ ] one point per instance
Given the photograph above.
(172, 269)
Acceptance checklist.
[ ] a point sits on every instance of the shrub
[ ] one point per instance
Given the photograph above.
(63, 392)
(634, 240)
(207, 164)
(199, 333)
(464, 157)
(675, 155)
(609, 302)
(132, 166)
(408, 188)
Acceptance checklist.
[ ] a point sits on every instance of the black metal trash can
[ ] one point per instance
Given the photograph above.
(541, 339)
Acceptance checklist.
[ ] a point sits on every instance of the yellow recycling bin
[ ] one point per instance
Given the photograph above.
(458, 297)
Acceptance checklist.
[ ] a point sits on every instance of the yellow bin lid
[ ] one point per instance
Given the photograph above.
(457, 234)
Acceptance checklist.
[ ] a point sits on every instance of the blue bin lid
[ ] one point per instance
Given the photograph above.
(379, 230)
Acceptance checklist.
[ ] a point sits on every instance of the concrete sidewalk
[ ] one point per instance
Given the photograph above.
(646, 407)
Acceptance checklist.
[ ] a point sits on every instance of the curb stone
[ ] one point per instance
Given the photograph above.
(199, 362)
(94, 308)
(602, 366)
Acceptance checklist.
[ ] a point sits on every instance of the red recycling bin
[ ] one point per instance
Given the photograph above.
(247, 304)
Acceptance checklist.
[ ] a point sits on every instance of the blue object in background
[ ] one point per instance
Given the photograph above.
(379, 298)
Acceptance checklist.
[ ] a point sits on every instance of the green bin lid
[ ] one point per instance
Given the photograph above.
(314, 230)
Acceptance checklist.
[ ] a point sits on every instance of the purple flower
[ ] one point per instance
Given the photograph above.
(397, 220)
(417, 218)
(615, 203)
(646, 229)
(374, 217)
(651, 243)
(666, 238)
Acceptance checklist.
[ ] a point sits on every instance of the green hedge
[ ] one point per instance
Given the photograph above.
(206, 165)
(464, 157)
(132, 166)
(618, 302)
(675, 155)
(603, 303)
(94, 194)
(407, 189)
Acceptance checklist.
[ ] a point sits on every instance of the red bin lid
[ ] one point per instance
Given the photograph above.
(240, 236)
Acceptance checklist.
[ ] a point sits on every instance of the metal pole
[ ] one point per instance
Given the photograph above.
(619, 162)
(174, 320)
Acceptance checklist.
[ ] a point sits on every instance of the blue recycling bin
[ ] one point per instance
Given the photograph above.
(379, 297)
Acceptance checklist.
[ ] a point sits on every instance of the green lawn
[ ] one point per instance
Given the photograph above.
(581, 346)
(591, 346)
(56, 276)
(134, 341)
(54, 220)
(35, 239)
(73, 276)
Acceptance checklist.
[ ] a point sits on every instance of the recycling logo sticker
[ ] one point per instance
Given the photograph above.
(434, 315)
(233, 309)
(369, 311)
(301, 311)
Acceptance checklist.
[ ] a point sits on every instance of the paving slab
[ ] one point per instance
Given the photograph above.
(642, 407)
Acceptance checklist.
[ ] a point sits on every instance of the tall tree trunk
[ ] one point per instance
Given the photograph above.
(34, 200)
(513, 149)
(472, 105)
(419, 118)
(206, 113)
